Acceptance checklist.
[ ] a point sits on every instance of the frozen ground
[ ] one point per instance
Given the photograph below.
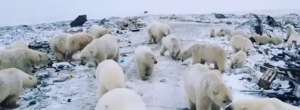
(73, 87)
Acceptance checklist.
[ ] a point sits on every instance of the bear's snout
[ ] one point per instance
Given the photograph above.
(50, 63)
(155, 62)
(82, 62)
(35, 86)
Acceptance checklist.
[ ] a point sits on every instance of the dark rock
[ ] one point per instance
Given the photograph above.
(220, 16)
(258, 30)
(229, 23)
(69, 100)
(135, 30)
(145, 12)
(271, 22)
(79, 21)
(31, 103)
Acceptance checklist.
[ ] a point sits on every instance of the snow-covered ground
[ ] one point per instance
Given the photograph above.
(73, 87)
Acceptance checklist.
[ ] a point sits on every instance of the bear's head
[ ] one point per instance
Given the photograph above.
(38, 57)
(151, 58)
(221, 95)
(246, 105)
(85, 55)
(185, 54)
(44, 59)
(29, 81)
(247, 50)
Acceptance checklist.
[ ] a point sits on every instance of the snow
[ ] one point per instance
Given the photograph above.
(73, 88)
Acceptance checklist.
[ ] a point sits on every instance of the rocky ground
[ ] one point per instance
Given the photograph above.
(68, 86)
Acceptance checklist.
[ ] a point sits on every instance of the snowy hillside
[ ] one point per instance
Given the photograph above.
(68, 86)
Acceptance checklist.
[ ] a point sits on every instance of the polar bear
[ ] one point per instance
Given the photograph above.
(145, 61)
(210, 53)
(17, 44)
(238, 60)
(239, 42)
(12, 82)
(105, 47)
(98, 31)
(121, 99)
(66, 45)
(205, 89)
(212, 33)
(276, 40)
(109, 75)
(260, 39)
(23, 59)
(292, 35)
(231, 33)
(261, 104)
(171, 44)
(157, 31)
(58, 45)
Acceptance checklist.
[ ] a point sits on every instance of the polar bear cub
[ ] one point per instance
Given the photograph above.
(121, 99)
(106, 47)
(12, 82)
(145, 61)
(238, 60)
(17, 44)
(171, 44)
(98, 31)
(157, 31)
(205, 88)
(261, 104)
(109, 75)
(210, 53)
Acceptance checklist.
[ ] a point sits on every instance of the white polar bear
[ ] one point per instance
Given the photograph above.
(12, 82)
(205, 88)
(105, 47)
(276, 40)
(145, 61)
(17, 44)
(210, 53)
(120, 99)
(231, 33)
(239, 42)
(238, 60)
(171, 44)
(292, 35)
(109, 75)
(157, 31)
(261, 104)
(98, 31)
(260, 39)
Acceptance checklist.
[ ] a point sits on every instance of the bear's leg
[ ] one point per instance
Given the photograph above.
(192, 105)
(163, 50)
(141, 71)
(202, 104)
(177, 54)
(149, 71)
(214, 106)
(150, 40)
(154, 39)
(159, 40)
(11, 102)
(117, 57)
(59, 56)
(195, 60)
(220, 65)
(99, 59)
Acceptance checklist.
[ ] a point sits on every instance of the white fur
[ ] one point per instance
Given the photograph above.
(120, 99)
(230, 33)
(145, 61)
(261, 104)
(105, 47)
(109, 76)
(292, 35)
(238, 59)
(212, 33)
(157, 31)
(276, 40)
(205, 88)
(12, 82)
(171, 44)
(239, 42)
(98, 31)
